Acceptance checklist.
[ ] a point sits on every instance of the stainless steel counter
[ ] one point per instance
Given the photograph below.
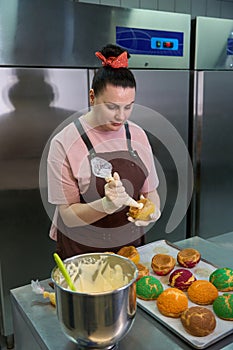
(36, 326)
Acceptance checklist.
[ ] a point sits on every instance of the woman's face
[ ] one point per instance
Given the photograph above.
(112, 107)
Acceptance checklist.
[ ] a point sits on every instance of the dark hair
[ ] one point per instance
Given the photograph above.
(114, 76)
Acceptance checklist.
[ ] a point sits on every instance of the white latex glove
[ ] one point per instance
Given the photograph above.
(153, 217)
(115, 195)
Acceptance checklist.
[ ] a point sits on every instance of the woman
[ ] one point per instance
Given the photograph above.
(91, 213)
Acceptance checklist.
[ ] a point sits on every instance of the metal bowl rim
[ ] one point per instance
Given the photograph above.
(97, 293)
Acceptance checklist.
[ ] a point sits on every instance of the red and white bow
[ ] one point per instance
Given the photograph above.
(120, 61)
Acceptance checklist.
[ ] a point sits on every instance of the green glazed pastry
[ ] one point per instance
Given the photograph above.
(222, 279)
(148, 288)
(223, 306)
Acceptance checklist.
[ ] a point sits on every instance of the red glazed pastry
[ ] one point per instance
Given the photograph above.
(188, 257)
(162, 264)
(181, 279)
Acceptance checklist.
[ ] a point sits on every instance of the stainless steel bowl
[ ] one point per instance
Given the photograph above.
(97, 320)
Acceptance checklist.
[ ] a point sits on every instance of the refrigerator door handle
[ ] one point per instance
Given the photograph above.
(198, 113)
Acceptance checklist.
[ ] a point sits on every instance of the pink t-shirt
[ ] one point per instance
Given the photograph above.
(68, 164)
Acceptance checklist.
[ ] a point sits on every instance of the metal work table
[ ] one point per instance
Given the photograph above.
(36, 326)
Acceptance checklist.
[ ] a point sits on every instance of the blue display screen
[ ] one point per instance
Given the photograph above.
(150, 42)
(230, 46)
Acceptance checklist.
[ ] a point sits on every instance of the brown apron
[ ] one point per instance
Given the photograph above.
(113, 231)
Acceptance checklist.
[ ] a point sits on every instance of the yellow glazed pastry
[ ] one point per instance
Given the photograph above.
(130, 252)
(51, 297)
(143, 213)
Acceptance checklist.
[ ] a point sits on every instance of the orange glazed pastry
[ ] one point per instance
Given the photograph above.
(143, 213)
(162, 264)
(202, 292)
(172, 302)
(188, 257)
(142, 271)
(130, 252)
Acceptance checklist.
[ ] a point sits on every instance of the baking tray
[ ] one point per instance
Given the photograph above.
(201, 271)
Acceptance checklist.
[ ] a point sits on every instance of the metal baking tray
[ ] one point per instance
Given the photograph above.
(201, 271)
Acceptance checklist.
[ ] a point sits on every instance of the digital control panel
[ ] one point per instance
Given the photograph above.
(164, 43)
(150, 42)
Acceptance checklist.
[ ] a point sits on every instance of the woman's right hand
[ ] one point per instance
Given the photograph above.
(115, 195)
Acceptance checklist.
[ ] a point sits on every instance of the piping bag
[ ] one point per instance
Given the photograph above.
(102, 168)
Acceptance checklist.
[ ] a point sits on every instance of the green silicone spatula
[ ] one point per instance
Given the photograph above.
(64, 272)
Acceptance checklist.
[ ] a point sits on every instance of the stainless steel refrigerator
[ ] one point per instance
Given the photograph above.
(34, 101)
(45, 73)
(166, 94)
(213, 126)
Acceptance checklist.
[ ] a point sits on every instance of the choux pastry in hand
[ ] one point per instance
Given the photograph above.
(143, 213)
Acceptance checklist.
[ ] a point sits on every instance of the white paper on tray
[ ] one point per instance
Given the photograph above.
(201, 271)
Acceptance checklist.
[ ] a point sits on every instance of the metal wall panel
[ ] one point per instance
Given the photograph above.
(227, 9)
(198, 8)
(183, 6)
(149, 4)
(110, 2)
(97, 2)
(166, 5)
(213, 8)
(130, 3)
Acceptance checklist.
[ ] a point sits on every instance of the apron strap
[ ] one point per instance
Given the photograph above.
(89, 145)
(85, 138)
(128, 138)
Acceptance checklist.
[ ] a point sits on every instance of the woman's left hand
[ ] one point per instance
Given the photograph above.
(152, 218)
(154, 197)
